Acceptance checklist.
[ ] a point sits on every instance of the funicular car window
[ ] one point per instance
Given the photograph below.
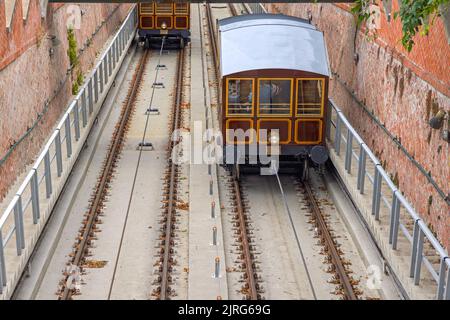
(309, 97)
(164, 8)
(181, 8)
(240, 97)
(146, 8)
(275, 96)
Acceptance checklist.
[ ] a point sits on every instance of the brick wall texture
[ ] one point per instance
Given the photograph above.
(403, 90)
(30, 76)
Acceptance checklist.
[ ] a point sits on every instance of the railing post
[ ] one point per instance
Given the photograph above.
(48, 174)
(35, 197)
(114, 54)
(76, 121)
(96, 85)
(337, 137)
(349, 151)
(101, 72)
(106, 67)
(91, 101)
(59, 166)
(418, 257)
(361, 169)
(68, 136)
(414, 248)
(395, 220)
(329, 115)
(447, 287)
(110, 59)
(441, 282)
(18, 223)
(376, 194)
(83, 108)
(120, 43)
(2, 264)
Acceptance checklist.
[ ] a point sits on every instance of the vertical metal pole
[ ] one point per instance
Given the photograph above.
(361, 169)
(329, 114)
(440, 288)
(35, 197)
(414, 248)
(91, 100)
(114, 54)
(83, 108)
(376, 194)
(18, 223)
(2, 264)
(337, 137)
(76, 121)
(68, 137)
(110, 59)
(395, 220)
(447, 286)
(120, 43)
(96, 85)
(59, 167)
(418, 258)
(396, 225)
(101, 72)
(106, 66)
(48, 174)
(348, 151)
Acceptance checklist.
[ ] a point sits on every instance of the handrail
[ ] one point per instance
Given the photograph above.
(343, 131)
(75, 119)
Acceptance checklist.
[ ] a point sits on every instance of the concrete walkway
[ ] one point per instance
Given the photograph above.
(202, 254)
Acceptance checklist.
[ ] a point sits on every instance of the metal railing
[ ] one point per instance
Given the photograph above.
(255, 8)
(33, 196)
(388, 202)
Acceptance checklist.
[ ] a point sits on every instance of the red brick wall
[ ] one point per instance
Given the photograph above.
(403, 90)
(22, 34)
(29, 76)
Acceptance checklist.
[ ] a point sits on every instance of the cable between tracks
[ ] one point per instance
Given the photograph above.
(288, 211)
(135, 175)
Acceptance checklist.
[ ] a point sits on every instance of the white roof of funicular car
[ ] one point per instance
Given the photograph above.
(271, 41)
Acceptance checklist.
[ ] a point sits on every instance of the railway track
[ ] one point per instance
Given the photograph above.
(251, 288)
(166, 261)
(101, 189)
(241, 219)
(332, 252)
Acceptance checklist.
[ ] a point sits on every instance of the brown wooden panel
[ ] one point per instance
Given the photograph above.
(161, 19)
(236, 124)
(146, 22)
(308, 131)
(283, 126)
(181, 22)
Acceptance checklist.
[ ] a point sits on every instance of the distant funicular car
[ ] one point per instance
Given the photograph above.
(164, 19)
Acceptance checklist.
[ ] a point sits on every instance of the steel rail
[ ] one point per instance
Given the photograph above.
(349, 292)
(213, 39)
(172, 191)
(108, 168)
(250, 272)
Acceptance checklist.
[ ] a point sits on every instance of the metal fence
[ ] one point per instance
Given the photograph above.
(386, 195)
(255, 8)
(33, 196)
